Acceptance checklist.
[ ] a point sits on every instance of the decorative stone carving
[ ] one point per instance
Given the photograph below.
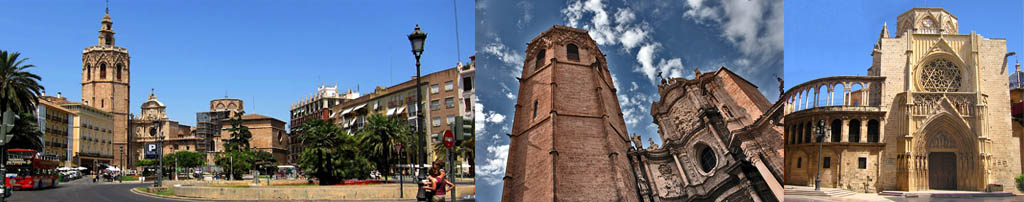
(941, 75)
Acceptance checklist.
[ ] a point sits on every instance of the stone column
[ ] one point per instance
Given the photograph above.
(863, 130)
(846, 130)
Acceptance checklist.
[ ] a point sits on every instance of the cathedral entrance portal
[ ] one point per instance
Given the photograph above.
(942, 170)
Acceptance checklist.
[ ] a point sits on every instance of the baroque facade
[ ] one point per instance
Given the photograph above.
(106, 80)
(569, 141)
(721, 142)
(170, 136)
(920, 120)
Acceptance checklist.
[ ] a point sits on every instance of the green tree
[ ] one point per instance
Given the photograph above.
(265, 162)
(19, 89)
(240, 135)
(236, 163)
(26, 133)
(330, 154)
(185, 159)
(378, 139)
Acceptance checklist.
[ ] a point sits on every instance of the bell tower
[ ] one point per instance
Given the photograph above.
(569, 141)
(105, 81)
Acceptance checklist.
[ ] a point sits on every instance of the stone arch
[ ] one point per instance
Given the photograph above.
(103, 70)
(822, 96)
(797, 172)
(838, 94)
(837, 130)
(945, 132)
(873, 130)
(854, 130)
(539, 60)
(808, 132)
(856, 93)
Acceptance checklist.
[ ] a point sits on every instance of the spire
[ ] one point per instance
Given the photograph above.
(885, 31)
(108, 8)
(1018, 65)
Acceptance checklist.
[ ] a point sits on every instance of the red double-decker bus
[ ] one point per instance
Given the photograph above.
(27, 169)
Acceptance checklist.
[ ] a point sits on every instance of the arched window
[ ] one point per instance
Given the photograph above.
(88, 72)
(708, 159)
(837, 130)
(799, 134)
(118, 72)
(728, 113)
(103, 71)
(572, 52)
(540, 60)
(873, 130)
(807, 132)
(854, 130)
(941, 75)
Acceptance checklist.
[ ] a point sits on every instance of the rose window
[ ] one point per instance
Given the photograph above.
(941, 75)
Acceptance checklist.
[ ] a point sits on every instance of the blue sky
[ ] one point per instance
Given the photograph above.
(268, 53)
(640, 38)
(837, 38)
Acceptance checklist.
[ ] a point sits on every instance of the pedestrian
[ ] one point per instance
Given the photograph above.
(439, 182)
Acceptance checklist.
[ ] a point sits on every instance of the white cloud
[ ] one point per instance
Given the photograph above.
(669, 68)
(625, 31)
(527, 16)
(635, 86)
(510, 96)
(506, 55)
(752, 26)
(493, 168)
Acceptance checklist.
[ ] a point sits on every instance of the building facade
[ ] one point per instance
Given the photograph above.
(268, 135)
(170, 136)
(316, 106)
(92, 144)
(106, 80)
(920, 120)
(569, 140)
(55, 123)
(720, 142)
(444, 98)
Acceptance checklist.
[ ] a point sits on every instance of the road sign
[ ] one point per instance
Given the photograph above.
(6, 126)
(151, 150)
(449, 138)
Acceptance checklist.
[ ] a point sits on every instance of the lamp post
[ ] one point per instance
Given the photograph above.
(820, 135)
(416, 38)
(120, 177)
(160, 153)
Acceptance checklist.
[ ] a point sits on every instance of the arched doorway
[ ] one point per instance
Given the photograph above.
(946, 149)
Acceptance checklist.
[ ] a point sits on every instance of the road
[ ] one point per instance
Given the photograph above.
(84, 190)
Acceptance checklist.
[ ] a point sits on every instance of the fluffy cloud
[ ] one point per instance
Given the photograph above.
(623, 31)
(492, 170)
(527, 16)
(669, 68)
(506, 55)
(752, 26)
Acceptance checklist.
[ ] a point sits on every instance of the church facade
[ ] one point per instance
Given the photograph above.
(722, 141)
(920, 120)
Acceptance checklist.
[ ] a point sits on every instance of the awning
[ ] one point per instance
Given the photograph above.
(359, 107)
(346, 111)
(391, 111)
(400, 110)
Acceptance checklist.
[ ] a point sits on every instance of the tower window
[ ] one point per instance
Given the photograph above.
(102, 103)
(118, 72)
(103, 71)
(540, 60)
(572, 52)
(88, 72)
(535, 109)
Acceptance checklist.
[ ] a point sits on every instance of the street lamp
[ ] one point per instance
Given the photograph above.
(820, 135)
(416, 38)
(160, 152)
(120, 177)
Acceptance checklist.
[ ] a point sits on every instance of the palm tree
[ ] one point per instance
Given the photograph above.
(19, 89)
(379, 137)
(330, 154)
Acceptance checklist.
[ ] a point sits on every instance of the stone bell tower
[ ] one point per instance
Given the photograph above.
(569, 140)
(105, 81)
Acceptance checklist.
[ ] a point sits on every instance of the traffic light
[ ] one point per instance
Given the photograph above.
(464, 129)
